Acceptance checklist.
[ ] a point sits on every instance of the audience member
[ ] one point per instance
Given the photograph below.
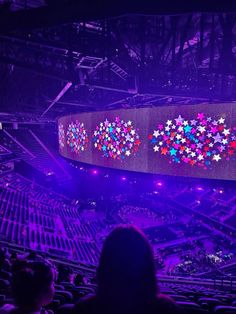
(32, 288)
(126, 278)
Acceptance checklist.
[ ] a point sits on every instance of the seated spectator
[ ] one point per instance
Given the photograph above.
(32, 288)
(78, 280)
(64, 273)
(4, 262)
(126, 278)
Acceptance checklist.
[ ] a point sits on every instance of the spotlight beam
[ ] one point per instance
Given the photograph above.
(58, 97)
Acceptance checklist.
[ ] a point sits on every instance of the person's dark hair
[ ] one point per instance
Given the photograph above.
(32, 283)
(126, 268)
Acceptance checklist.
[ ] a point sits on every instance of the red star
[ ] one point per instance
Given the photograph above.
(233, 144)
(163, 150)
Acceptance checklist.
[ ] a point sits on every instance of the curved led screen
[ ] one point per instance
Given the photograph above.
(188, 140)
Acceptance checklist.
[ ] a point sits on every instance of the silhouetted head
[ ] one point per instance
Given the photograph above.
(33, 285)
(126, 269)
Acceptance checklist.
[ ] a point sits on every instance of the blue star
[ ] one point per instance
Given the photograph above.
(154, 140)
(173, 151)
(104, 148)
(187, 128)
(208, 154)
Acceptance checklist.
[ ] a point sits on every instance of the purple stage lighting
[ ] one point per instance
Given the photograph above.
(123, 178)
(94, 172)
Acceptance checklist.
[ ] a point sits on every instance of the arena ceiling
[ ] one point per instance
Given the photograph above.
(101, 57)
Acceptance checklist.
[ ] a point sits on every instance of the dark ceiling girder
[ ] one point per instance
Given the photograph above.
(66, 11)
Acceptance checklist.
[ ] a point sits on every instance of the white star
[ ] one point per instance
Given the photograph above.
(162, 133)
(160, 143)
(216, 157)
(211, 145)
(200, 157)
(169, 122)
(183, 140)
(221, 120)
(185, 122)
(193, 154)
(156, 133)
(209, 135)
(129, 122)
(127, 153)
(127, 137)
(224, 141)
(188, 150)
(132, 132)
(118, 130)
(173, 126)
(201, 129)
(214, 122)
(209, 119)
(167, 128)
(199, 145)
(226, 132)
(156, 148)
(178, 136)
(180, 128)
(95, 144)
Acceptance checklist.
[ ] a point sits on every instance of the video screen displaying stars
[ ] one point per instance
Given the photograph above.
(116, 139)
(188, 140)
(198, 142)
(77, 137)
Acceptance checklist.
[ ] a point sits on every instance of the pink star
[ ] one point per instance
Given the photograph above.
(200, 116)
(214, 129)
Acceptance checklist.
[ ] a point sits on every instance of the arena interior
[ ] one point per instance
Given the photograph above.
(113, 114)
